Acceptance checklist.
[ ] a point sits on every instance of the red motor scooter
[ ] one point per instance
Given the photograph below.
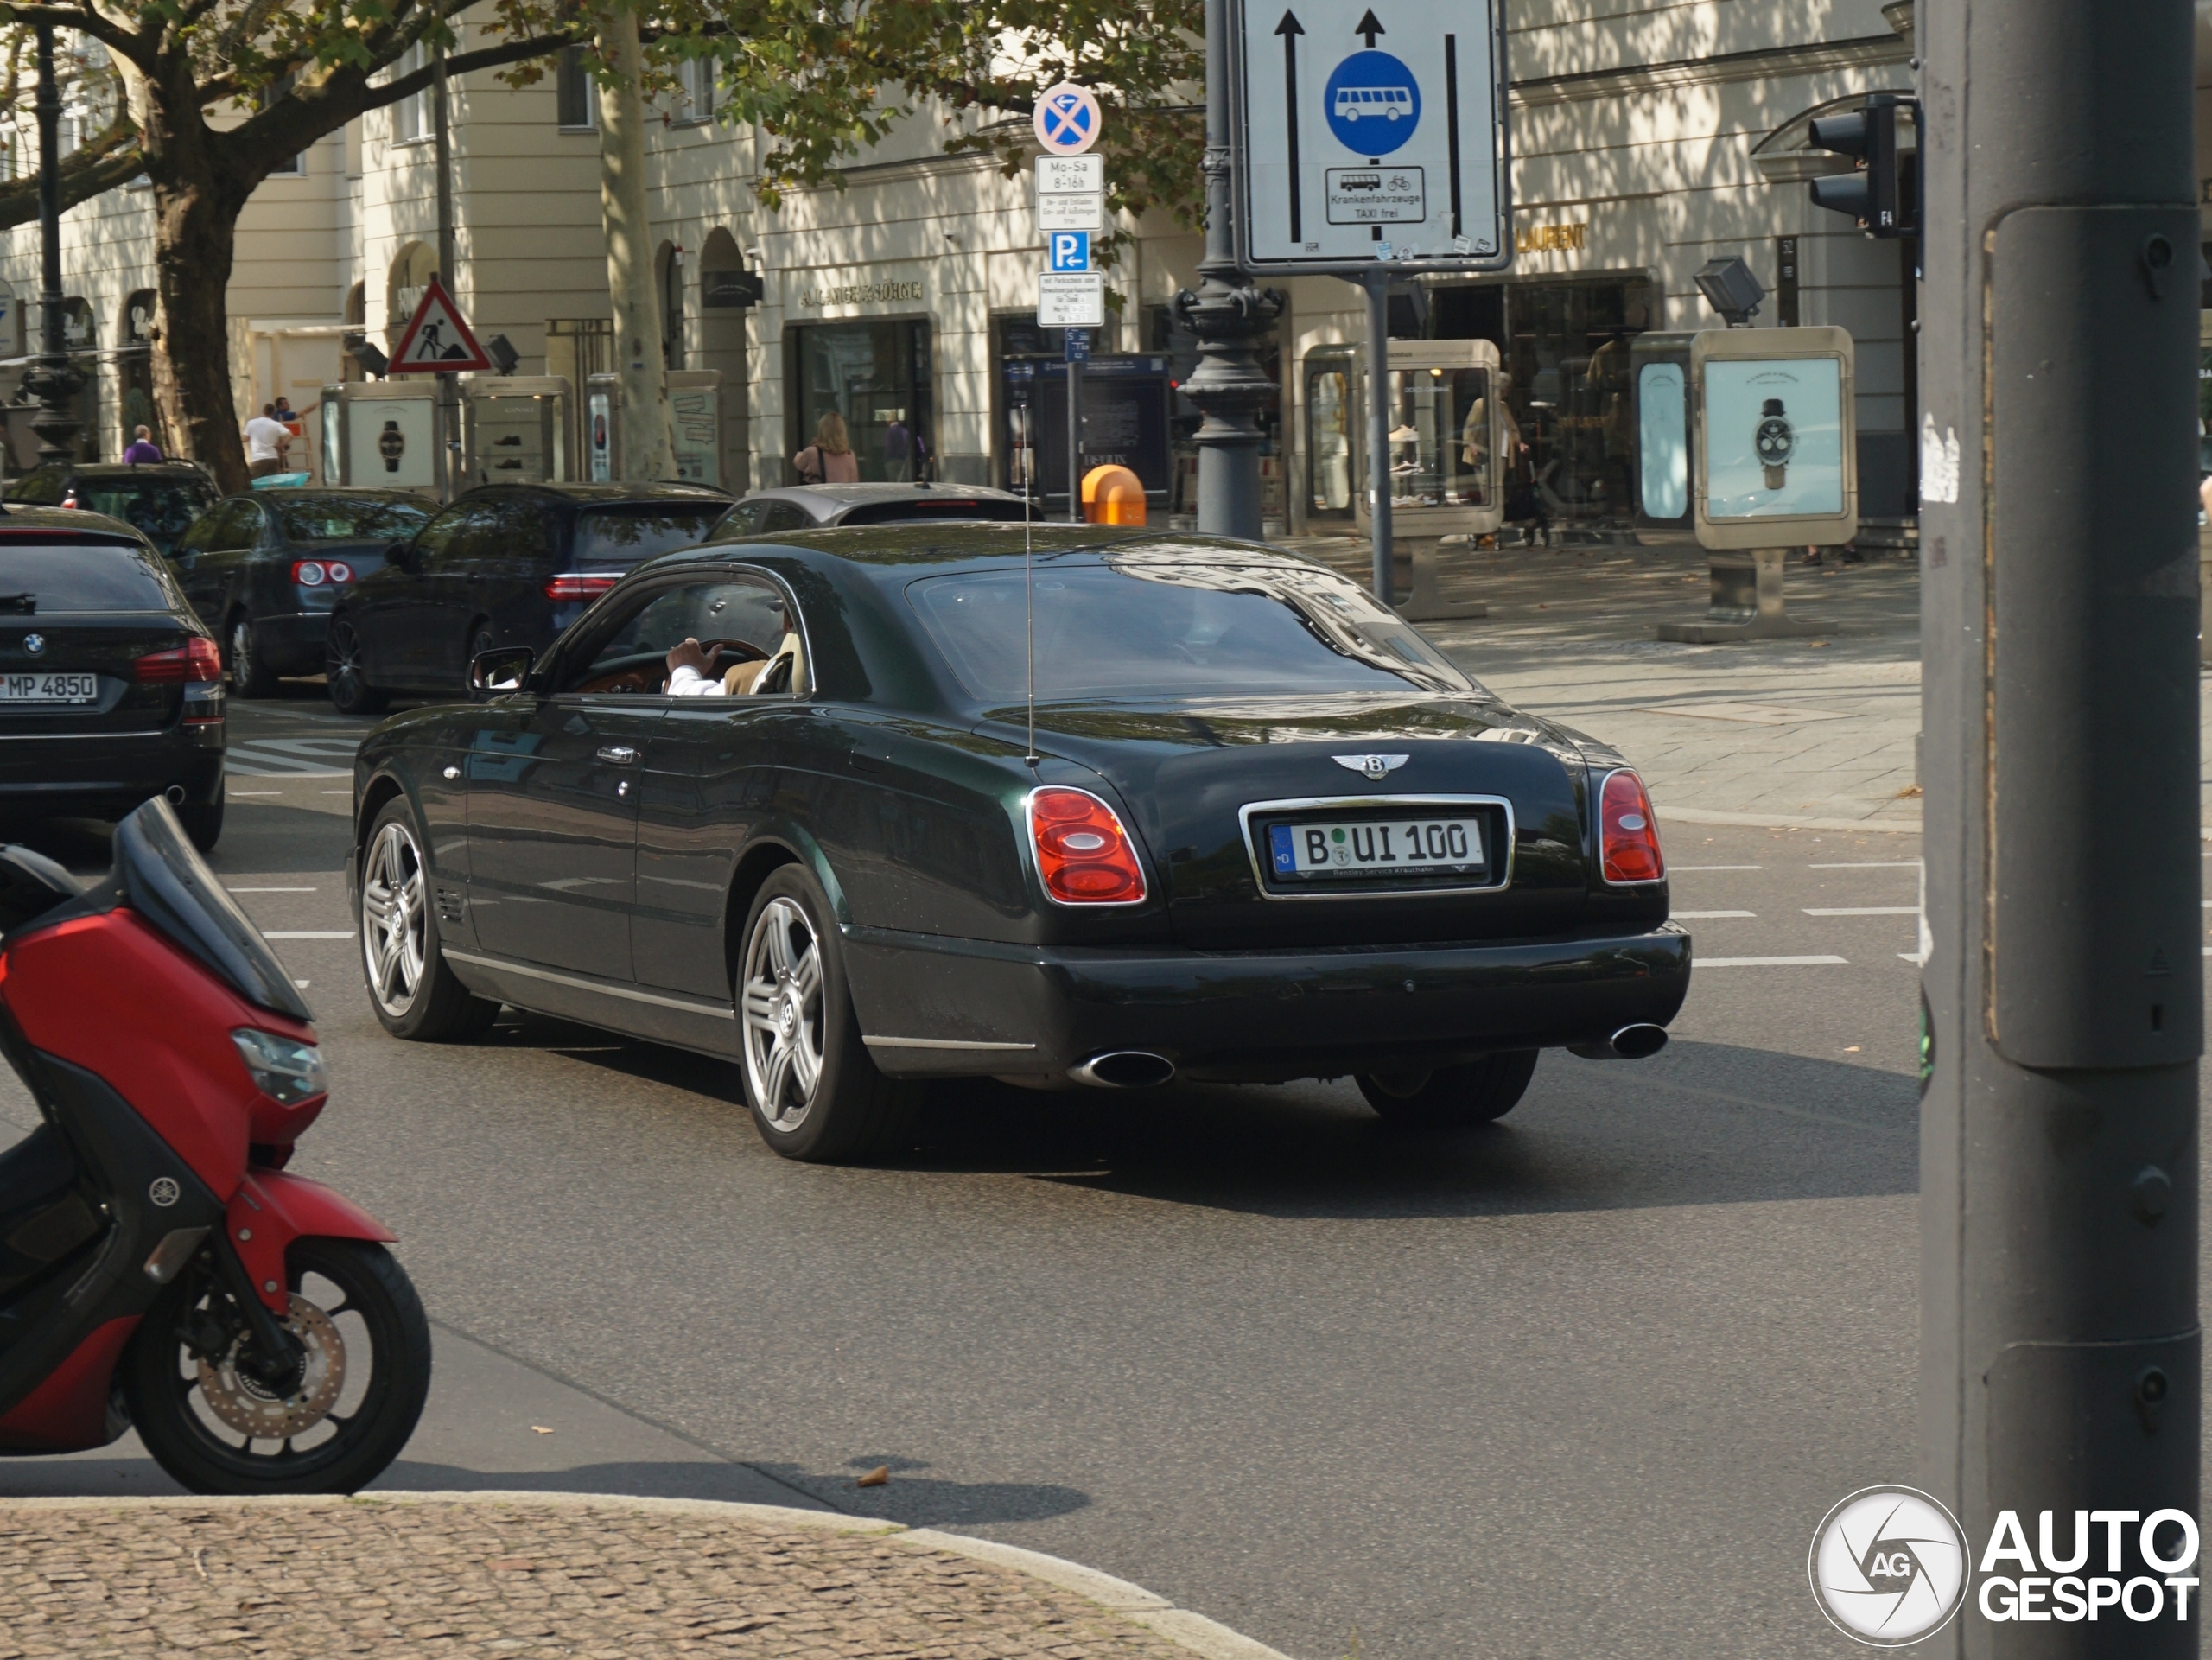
(158, 1266)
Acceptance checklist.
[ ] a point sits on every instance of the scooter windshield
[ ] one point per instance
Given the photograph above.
(164, 880)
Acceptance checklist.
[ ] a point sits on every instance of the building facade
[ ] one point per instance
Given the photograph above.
(1645, 142)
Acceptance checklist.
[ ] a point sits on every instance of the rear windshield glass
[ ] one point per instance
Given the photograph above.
(1174, 622)
(886, 512)
(623, 536)
(162, 508)
(82, 577)
(342, 519)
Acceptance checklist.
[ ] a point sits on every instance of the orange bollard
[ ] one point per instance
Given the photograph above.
(1112, 495)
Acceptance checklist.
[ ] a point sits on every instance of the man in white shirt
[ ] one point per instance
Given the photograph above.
(266, 439)
(688, 666)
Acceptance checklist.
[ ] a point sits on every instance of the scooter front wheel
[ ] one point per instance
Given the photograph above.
(218, 1427)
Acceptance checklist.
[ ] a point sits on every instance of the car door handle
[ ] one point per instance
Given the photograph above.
(618, 754)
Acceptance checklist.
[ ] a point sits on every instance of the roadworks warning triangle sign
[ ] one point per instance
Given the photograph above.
(437, 341)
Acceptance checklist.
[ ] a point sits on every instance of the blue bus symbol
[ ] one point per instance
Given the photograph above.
(1373, 103)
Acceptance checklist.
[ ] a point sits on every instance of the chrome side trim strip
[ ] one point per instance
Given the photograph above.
(938, 1043)
(628, 993)
(1365, 803)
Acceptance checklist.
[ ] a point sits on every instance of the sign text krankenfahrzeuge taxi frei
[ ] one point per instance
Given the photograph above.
(1369, 130)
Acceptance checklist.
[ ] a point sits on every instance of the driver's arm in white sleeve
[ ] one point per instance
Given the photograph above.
(684, 681)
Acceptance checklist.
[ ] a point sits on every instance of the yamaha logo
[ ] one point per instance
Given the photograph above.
(34, 644)
(1376, 768)
(164, 1192)
(1889, 1566)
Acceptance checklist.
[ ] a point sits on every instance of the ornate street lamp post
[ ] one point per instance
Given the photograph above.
(1230, 317)
(55, 381)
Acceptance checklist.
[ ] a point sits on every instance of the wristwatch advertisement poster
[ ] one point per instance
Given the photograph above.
(1774, 430)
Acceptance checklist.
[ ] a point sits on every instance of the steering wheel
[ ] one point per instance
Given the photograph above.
(738, 651)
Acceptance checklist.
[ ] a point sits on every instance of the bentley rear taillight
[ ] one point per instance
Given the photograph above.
(1628, 835)
(1083, 854)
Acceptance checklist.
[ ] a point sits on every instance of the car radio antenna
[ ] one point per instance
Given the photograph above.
(1029, 610)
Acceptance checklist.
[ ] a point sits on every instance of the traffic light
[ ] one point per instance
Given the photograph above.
(1882, 194)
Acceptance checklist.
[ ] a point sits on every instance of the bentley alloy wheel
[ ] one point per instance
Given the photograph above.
(394, 920)
(781, 1005)
(815, 1091)
(411, 986)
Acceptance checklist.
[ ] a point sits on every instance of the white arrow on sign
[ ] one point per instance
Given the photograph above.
(438, 340)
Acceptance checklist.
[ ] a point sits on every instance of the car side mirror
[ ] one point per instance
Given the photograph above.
(500, 670)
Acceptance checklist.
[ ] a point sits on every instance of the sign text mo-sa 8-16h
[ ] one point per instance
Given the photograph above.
(1369, 130)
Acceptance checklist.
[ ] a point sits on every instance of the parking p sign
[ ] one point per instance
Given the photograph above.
(1068, 251)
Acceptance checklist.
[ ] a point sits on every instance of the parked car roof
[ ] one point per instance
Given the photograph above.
(666, 490)
(122, 470)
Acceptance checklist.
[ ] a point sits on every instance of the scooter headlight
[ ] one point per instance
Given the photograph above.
(285, 1070)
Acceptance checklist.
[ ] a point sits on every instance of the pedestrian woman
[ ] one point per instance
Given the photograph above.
(830, 458)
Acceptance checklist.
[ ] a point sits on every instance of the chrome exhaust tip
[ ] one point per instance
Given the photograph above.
(1124, 1069)
(1637, 1043)
(176, 795)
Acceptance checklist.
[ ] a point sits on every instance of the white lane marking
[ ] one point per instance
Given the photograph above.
(1764, 962)
(272, 890)
(290, 757)
(246, 792)
(309, 934)
(1739, 867)
(1862, 910)
(1694, 915)
(1918, 961)
(1870, 864)
(334, 792)
(302, 984)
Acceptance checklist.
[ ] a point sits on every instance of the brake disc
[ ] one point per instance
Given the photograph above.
(253, 1407)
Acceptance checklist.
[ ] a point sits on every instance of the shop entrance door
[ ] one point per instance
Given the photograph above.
(876, 377)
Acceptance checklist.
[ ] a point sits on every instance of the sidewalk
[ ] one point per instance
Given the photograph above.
(535, 1574)
(1816, 732)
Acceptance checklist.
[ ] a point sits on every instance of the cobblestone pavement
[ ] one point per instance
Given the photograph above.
(521, 1576)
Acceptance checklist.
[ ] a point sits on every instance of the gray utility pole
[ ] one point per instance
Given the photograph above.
(55, 381)
(1075, 438)
(1228, 315)
(2060, 1344)
(448, 451)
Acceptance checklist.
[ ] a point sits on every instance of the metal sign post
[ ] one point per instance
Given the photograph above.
(1071, 206)
(1370, 142)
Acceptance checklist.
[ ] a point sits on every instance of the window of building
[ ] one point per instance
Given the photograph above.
(696, 96)
(411, 116)
(576, 94)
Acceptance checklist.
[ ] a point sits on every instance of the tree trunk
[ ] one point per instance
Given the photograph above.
(647, 429)
(193, 239)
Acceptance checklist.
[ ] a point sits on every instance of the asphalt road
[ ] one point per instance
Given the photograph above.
(1599, 1368)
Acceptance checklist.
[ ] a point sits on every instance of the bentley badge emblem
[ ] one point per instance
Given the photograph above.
(1373, 767)
(34, 644)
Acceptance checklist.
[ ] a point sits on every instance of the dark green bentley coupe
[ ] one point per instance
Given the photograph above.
(782, 800)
